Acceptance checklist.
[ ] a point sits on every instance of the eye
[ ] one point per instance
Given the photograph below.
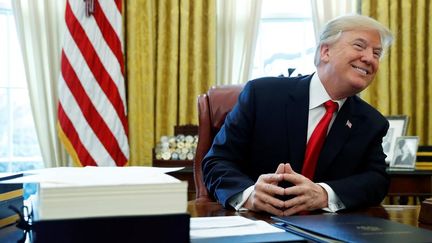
(377, 54)
(358, 46)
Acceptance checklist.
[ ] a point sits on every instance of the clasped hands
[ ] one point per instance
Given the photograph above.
(305, 194)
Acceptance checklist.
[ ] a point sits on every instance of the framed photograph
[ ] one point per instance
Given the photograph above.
(397, 128)
(405, 152)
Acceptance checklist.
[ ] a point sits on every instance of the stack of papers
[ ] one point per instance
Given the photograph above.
(236, 229)
(68, 193)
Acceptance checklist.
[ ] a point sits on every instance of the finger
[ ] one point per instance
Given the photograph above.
(262, 206)
(269, 199)
(272, 210)
(265, 202)
(294, 210)
(270, 178)
(312, 196)
(295, 178)
(268, 188)
(296, 190)
(305, 188)
(295, 202)
(280, 169)
(288, 168)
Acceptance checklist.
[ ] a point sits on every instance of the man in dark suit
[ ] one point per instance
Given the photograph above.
(265, 138)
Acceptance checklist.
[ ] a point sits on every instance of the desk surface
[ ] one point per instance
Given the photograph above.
(405, 214)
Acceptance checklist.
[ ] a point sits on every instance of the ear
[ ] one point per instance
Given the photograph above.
(324, 52)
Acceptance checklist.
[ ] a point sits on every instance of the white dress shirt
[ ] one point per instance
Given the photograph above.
(317, 96)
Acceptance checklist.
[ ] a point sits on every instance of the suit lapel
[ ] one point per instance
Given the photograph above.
(344, 123)
(296, 115)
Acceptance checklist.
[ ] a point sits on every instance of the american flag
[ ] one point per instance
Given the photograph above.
(348, 124)
(92, 120)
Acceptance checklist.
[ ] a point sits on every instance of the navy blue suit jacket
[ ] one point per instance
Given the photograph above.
(268, 126)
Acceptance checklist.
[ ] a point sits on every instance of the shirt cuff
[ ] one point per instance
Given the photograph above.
(240, 198)
(334, 203)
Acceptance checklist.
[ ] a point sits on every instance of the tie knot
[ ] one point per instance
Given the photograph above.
(331, 106)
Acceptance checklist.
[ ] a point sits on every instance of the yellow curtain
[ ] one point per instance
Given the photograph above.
(404, 82)
(170, 60)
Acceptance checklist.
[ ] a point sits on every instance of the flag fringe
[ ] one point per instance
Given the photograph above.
(68, 146)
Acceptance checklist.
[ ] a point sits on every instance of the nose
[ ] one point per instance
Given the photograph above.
(368, 56)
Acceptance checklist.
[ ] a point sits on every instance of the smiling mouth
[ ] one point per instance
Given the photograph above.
(361, 70)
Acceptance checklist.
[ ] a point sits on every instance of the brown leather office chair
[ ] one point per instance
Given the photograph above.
(212, 110)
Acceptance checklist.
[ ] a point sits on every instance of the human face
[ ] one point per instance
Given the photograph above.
(352, 61)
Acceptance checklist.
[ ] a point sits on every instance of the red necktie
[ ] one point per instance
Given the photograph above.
(316, 140)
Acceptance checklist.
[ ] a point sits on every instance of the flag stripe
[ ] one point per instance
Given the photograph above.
(109, 32)
(90, 113)
(100, 100)
(112, 13)
(84, 132)
(119, 5)
(92, 108)
(92, 58)
(73, 137)
(104, 54)
(101, 45)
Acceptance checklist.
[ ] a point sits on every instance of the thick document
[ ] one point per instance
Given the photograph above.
(75, 193)
(152, 228)
(352, 228)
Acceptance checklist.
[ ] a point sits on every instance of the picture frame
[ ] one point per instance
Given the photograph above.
(405, 152)
(398, 126)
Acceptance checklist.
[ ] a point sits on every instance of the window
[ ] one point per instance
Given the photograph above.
(19, 148)
(286, 39)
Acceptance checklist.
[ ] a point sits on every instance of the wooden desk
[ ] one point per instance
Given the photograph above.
(185, 174)
(405, 214)
(416, 183)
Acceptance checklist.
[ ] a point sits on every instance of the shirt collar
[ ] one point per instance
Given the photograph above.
(318, 95)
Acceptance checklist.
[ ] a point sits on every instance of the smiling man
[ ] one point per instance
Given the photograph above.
(309, 142)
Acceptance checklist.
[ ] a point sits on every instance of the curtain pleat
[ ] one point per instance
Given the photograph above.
(40, 27)
(237, 34)
(170, 61)
(403, 83)
(325, 10)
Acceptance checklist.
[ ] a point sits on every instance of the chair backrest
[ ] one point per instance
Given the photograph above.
(212, 110)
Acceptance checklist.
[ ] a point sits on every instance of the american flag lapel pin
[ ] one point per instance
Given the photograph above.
(348, 124)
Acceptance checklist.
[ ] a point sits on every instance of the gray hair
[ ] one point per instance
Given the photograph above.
(334, 28)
